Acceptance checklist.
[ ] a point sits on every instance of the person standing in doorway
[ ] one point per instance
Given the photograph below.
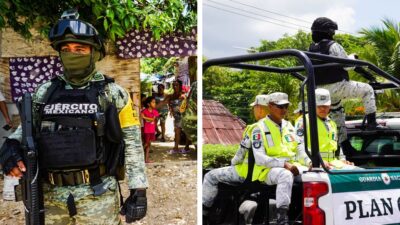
(149, 115)
(175, 101)
(162, 108)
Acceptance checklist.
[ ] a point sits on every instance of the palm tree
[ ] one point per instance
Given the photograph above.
(386, 43)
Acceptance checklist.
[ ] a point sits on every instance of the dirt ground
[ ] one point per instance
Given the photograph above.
(171, 194)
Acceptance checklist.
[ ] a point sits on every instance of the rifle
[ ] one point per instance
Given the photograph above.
(31, 189)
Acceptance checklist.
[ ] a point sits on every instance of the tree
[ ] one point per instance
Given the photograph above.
(113, 18)
(236, 89)
(385, 42)
(301, 41)
(155, 65)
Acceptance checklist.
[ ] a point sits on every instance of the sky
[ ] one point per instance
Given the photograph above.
(228, 34)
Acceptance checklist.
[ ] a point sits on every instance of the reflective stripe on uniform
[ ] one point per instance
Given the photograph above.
(269, 140)
(268, 135)
(327, 155)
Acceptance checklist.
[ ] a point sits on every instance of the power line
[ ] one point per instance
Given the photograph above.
(283, 21)
(279, 14)
(247, 16)
(283, 15)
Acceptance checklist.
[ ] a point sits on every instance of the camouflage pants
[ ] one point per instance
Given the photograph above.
(134, 158)
(103, 209)
(283, 178)
(348, 90)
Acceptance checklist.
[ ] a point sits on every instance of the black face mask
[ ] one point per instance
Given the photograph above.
(318, 36)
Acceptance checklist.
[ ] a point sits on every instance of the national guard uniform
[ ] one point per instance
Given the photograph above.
(272, 144)
(336, 80)
(327, 133)
(86, 134)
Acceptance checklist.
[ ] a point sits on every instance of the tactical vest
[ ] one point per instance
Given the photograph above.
(326, 75)
(276, 143)
(71, 130)
(326, 139)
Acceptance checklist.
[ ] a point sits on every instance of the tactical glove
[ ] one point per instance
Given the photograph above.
(135, 206)
(10, 154)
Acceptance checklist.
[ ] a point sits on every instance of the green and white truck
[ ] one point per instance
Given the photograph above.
(366, 196)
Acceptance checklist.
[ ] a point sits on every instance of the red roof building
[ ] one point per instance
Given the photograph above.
(219, 125)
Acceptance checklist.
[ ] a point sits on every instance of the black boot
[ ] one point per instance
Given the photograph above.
(206, 212)
(282, 217)
(371, 122)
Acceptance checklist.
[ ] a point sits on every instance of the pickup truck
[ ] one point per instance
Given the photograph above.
(369, 195)
(375, 148)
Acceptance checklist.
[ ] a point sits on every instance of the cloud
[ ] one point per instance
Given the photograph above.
(345, 18)
(223, 31)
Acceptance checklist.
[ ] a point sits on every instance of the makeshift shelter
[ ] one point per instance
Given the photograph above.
(219, 125)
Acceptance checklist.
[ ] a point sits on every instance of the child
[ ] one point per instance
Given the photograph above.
(149, 115)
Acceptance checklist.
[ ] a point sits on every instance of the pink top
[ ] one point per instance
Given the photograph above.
(150, 127)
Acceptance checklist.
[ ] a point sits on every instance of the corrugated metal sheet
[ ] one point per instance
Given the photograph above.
(219, 125)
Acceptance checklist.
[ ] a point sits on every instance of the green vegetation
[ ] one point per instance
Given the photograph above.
(113, 18)
(237, 89)
(189, 116)
(215, 156)
(385, 53)
(157, 65)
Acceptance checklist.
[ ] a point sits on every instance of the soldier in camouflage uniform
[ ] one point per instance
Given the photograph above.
(336, 80)
(76, 199)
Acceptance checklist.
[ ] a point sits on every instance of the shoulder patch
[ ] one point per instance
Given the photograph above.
(245, 142)
(300, 132)
(256, 135)
(257, 144)
(289, 138)
(256, 138)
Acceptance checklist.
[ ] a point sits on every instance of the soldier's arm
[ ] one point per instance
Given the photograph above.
(12, 144)
(337, 50)
(36, 100)
(134, 156)
(260, 156)
(244, 147)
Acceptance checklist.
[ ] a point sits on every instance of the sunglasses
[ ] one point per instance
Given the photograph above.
(284, 106)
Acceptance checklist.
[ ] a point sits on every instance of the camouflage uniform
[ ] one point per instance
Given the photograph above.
(347, 90)
(103, 209)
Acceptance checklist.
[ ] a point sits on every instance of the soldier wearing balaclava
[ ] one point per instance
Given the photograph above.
(86, 135)
(336, 80)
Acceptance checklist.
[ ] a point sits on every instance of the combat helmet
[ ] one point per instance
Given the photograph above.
(70, 29)
(324, 25)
